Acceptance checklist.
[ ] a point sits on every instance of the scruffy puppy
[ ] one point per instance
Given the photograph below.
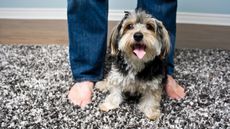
(139, 45)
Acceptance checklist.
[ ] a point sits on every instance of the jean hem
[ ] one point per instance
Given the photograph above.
(88, 79)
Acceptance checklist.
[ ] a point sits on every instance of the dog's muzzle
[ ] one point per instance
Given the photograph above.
(139, 47)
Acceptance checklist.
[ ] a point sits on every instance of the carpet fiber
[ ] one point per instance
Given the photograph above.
(34, 83)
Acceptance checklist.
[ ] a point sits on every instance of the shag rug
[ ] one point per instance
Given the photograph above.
(34, 83)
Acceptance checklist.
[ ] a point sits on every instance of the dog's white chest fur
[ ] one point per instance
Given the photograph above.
(130, 83)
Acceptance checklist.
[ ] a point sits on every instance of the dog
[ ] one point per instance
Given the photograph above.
(139, 45)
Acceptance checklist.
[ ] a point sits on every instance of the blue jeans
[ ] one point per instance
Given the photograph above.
(87, 26)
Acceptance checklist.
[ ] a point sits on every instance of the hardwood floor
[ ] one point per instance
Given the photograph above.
(56, 32)
(203, 36)
(33, 32)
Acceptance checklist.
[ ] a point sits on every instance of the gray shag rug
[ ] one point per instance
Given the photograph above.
(34, 83)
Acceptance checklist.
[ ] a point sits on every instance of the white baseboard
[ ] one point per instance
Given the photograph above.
(114, 15)
(32, 13)
(203, 18)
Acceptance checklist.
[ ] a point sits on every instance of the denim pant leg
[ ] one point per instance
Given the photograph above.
(87, 27)
(164, 10)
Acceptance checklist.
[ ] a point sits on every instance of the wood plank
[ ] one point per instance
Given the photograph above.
(203, 36)
(56, 32)
(33, 32)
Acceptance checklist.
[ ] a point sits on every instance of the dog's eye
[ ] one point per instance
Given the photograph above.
(150, 27)
(129, 26)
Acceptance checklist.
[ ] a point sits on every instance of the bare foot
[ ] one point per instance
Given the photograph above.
(174, 90)
(80, 94)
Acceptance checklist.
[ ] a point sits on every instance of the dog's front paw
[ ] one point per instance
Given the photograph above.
(101, 86)
(105, 107)
(152, 114)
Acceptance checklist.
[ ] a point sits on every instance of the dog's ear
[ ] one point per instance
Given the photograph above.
(164, 38)
(113, 41)
(127, 13)
(115, 37)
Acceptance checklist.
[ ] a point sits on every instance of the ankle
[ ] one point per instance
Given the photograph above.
(85, 84)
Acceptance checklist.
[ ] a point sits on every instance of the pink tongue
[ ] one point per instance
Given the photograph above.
(139, 52)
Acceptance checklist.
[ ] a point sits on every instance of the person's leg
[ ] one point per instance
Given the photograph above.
(165, 10)
(87, 26)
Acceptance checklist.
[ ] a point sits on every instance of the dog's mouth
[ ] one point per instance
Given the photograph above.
(139, 50)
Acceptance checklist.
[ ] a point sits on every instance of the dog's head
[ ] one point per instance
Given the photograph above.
(140, 37)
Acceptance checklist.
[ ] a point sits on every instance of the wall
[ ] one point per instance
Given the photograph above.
(215, 12)
(197, 6)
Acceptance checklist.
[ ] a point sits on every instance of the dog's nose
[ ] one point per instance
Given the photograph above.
(138, 36)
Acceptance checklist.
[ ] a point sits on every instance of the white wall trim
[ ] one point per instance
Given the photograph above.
(203, 18)
(114, 15)
(32, 13)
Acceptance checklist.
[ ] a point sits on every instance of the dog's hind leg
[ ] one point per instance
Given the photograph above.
(112, 101)
(150, 104)
(102, 86)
